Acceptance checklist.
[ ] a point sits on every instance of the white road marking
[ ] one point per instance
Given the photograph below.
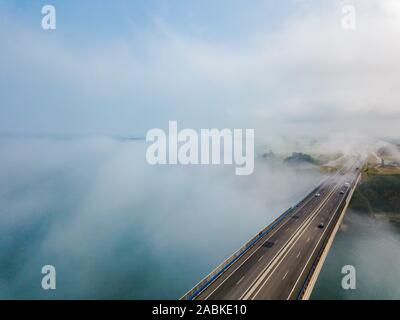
(298, 255)
(240, 280)
(308, 239)
(261, 257)
(285, 275)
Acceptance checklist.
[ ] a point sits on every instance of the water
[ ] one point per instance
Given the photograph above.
(370, 244)
(115, 227)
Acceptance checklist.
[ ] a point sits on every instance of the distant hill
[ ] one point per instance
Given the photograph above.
(269, 155)
(300, 158)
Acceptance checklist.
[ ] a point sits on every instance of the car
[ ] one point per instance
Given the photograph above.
(321, 225)
(347, 184)
(341, 192)
(317, 194)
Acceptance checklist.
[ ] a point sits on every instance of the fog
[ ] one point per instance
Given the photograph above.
(116, 227)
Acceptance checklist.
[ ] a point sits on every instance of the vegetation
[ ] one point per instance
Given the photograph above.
(378, 194)
(383, 171)
(298, 157)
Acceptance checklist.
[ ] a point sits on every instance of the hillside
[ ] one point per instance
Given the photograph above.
(378, 194)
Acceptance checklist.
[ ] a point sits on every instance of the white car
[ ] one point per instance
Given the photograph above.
(317, 194)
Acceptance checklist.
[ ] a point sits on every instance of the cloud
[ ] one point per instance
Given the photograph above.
(307, 72)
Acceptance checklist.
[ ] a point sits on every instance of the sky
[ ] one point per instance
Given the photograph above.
(124, 67)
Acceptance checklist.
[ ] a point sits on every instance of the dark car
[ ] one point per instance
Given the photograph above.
(321, 225)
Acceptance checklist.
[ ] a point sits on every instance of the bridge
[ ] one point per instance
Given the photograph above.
(283, 261)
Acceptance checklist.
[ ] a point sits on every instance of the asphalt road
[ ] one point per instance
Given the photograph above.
(277, 266)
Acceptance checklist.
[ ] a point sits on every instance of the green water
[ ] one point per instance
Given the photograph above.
(370, 242)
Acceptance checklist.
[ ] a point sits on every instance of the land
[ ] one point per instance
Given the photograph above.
(378, 195)
(297, 158)
(379, 191)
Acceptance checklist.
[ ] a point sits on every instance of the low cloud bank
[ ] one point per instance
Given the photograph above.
(116, 227)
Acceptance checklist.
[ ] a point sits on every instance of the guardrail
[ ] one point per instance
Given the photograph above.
(203, 284)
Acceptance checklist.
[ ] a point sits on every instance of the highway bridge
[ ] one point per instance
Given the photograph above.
(283, 261)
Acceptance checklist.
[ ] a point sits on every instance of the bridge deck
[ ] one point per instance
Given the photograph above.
(279, 265)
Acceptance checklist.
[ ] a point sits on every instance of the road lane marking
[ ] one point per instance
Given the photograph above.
(240, 280)
(298, 255)
(285, 275)
(261, 258)
(308, 239)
